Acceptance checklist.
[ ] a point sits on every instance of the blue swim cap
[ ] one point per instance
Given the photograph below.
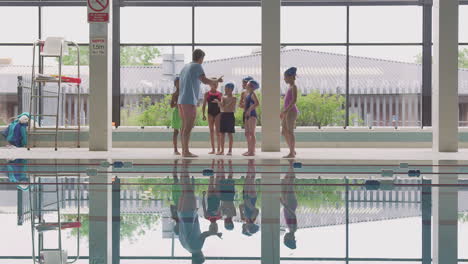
(229, 85)
(291, 71)
(254, 84)
(247, 78)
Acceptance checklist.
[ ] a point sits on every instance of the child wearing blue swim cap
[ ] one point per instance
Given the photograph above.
(251, 103)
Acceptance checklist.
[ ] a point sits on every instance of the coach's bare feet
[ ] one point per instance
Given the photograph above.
(177, 153)
(220, 153)
(248, 154)
(189, 155)
(212, 152)
(290, 156)
(229, 153)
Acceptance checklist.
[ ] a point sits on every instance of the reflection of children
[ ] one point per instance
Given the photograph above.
(251, 103)
(176, 192)
(289, 201)
(214, 111)
(227, 119)
(290, 111)
(228, 192)
(190, 235)
(176, 120)
(213, 212)
(247, 209)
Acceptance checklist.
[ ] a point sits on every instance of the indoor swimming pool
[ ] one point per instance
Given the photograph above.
(229, 211)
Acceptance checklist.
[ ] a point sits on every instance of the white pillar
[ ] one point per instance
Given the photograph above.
(100, 83)
(100, 218)
(445, 76)
(270, 212)
(271, 74)
(445, 214)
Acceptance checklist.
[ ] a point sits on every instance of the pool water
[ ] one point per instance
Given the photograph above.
(255, 211)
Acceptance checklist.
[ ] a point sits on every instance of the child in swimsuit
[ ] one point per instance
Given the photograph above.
(227, 119)
(290, 111)
(251, 103)
(245, 80)
(176, 120)
(213, 115)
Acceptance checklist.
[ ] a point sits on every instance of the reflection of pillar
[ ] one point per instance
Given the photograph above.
(445, 76)
(100, 219)
(445, 214)
(426, 197)
(116, 221)
(270, 214)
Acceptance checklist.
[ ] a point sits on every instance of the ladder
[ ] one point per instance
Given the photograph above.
(46, 196)
(54, 48)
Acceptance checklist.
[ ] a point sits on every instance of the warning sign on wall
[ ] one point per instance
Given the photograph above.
(97, 47)
(98, 11)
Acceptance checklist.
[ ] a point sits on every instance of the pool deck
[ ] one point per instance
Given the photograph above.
(311, 154)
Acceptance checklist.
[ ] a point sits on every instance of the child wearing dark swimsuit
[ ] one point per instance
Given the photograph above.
(251, 103)
(211, 97)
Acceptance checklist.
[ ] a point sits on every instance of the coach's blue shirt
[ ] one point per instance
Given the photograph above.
(190, 83)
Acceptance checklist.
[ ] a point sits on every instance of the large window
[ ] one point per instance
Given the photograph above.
(385, 71)
(230, 37)
(156, 25)
(367, 76)
(385, 86)
(15, 55)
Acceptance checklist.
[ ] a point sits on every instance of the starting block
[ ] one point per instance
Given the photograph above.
(118, 164)
(208, 172)
(297, 165)
(414, 173)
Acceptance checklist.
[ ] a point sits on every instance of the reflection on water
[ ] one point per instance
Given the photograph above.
(176, 216)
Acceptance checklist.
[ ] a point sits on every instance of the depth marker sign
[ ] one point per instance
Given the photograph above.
(98, 11)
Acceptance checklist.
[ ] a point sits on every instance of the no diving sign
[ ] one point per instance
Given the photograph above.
(98, 11)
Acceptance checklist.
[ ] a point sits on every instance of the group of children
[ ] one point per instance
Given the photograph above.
(219, 205)
(221, 117)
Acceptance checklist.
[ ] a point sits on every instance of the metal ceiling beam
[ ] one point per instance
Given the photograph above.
(218, 3)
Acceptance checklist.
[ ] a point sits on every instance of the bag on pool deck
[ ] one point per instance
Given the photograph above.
(15, 133)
